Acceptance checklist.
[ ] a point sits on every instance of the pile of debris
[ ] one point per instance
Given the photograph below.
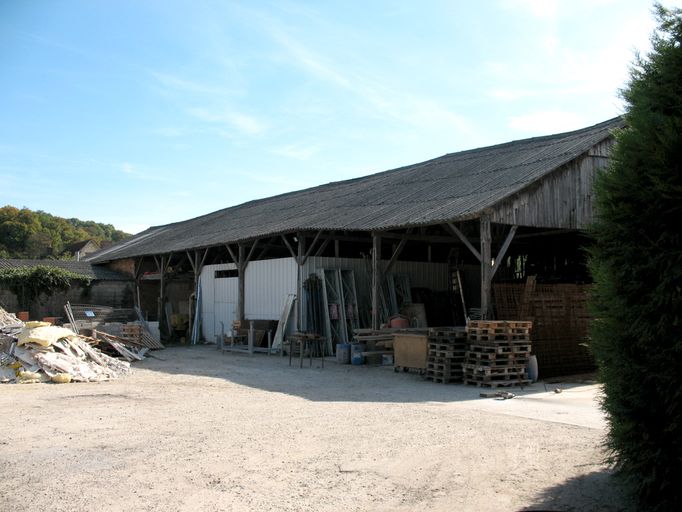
(41, 352)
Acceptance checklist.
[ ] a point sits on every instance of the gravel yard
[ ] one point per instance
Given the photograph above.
(199, 430)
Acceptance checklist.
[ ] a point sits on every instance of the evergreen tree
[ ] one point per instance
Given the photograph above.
(637, 266)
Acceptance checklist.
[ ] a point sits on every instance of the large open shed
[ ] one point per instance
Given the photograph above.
(490, 232)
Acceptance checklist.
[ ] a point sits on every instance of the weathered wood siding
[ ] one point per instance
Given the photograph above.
(563, 199)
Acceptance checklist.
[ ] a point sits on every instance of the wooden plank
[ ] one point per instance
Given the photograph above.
(376, 278)
(486, 274)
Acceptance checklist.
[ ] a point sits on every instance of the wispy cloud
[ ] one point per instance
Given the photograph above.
(127, 168)
(243, 123)
(368, 86)
(177, 83)
(296, 151)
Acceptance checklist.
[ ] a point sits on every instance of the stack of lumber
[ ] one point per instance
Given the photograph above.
(498, 353)
(133, 334)
(447, 349)
(41, 352)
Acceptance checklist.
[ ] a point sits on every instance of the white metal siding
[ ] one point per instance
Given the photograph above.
(267, 285)
(218, 300)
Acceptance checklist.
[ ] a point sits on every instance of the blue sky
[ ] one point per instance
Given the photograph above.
(140, 113)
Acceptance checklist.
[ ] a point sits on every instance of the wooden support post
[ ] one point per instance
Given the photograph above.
(376, 279)
(486, 268)
(241, 279)
(300, 259)
(138, 277)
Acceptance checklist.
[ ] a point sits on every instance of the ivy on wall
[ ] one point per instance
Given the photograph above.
(28, 283)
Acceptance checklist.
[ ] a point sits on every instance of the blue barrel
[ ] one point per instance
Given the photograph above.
(343, 353)
(533, 368)
(356, 356)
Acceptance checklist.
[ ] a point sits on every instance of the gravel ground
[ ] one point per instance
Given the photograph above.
(200, 430)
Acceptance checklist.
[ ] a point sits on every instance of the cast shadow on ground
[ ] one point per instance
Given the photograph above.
(595, 491)
(334, 382)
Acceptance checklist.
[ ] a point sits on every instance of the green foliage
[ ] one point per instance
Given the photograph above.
(39, 235)
(637, 265)
(28, 283)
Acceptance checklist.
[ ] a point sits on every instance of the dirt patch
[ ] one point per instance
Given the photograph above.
(201, 430)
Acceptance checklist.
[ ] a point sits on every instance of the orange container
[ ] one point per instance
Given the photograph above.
(23, 316)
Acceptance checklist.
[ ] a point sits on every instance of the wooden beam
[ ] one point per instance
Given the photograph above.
(159, 304)
(503, 250)
(203, 258)
(464, 240)
(376, 279)
(395, 255)
(323, 246)
(192, 261)
(253, 248)
(434, 239)
(291, 249)
(486, 277)
(241, 279)
(235, 259)
(299, 278)
(310, 249)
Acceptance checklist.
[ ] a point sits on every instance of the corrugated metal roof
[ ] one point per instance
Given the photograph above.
(83, 268)
(454, 186)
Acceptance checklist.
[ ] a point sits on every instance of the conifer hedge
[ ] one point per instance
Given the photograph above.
(637, 266)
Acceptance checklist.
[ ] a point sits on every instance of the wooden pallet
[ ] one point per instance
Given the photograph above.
(499, 338)
(477, 369)
(507, 348)
(496, 324)
(501, 358)
(449, 333)
(497, 383)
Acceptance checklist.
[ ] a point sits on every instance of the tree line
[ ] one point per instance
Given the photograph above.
(25, 233)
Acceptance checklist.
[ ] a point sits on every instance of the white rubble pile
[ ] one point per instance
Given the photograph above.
(40, 352)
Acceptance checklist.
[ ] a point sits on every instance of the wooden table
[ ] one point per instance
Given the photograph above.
(313, 342)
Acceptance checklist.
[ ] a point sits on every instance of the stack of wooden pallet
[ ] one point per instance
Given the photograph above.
(498, 353)
(136, 334)
(447, 350)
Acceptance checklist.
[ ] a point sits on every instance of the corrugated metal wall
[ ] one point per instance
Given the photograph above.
(266, 288)
(422, 275)
(218, 300)
(268, 283)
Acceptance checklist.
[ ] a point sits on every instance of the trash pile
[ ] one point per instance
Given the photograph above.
(41, 352)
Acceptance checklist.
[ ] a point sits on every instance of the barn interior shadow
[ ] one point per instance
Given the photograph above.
(334, 382)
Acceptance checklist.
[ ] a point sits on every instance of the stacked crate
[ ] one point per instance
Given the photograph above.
(498, 353)
(447, 348)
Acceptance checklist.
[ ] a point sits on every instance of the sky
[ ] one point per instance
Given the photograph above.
(140, 113)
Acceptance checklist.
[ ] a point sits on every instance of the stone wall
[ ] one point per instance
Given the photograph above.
(117, 294)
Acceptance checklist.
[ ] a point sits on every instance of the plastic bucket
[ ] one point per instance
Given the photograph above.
(343, 353)
(356, 356)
